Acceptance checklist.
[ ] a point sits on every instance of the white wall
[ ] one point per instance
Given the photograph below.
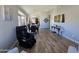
(7, 28)
(42, 23)
(71, 25)
(41, 16)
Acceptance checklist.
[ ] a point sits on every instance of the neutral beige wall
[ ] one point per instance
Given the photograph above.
(71, 25)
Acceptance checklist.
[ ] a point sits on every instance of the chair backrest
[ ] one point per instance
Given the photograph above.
(21, 31)
(33, 28)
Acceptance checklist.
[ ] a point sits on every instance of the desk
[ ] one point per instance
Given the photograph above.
(56, 27)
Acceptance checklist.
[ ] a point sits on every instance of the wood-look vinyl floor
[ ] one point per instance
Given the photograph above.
(48, 42)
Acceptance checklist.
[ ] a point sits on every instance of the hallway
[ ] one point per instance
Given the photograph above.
(48, 42)
(62, 19)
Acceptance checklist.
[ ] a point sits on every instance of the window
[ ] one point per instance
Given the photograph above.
(21, 18)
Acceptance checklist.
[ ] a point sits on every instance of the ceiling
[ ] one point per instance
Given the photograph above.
(36, 9)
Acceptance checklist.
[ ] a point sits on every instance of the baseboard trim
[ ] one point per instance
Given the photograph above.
(13, 45)
(71, 39)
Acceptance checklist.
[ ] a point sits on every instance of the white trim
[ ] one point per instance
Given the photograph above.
(71, 39)
(13, 45)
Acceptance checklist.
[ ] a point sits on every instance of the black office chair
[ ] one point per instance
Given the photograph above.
(33, 28)
(25, 39)
(28, 25)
